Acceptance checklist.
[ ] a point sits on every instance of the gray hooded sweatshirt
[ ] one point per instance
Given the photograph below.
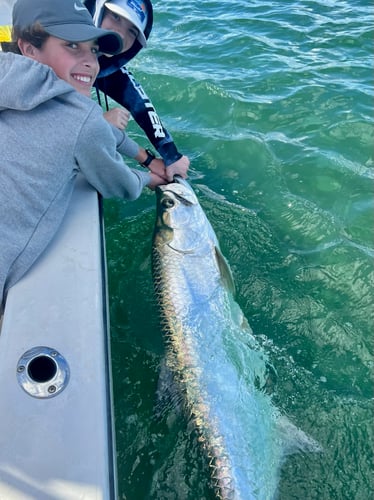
(48, 134)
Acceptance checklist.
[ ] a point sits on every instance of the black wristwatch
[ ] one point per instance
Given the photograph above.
(147, 161)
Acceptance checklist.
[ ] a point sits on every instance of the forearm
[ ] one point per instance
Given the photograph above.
(124, 89)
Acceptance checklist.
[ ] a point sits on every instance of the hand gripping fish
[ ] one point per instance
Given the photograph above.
(217, 366)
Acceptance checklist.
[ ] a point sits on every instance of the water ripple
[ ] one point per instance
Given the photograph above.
(273, 103)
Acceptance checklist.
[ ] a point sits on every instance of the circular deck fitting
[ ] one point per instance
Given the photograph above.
(42, 372)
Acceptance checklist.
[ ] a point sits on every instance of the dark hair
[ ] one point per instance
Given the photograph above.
(35, 34)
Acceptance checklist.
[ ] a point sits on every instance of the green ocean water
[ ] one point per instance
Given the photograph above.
(273, 102)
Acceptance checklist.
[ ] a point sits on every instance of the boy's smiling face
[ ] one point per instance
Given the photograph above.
(75, 62)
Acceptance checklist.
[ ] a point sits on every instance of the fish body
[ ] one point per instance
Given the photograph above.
(216, 363)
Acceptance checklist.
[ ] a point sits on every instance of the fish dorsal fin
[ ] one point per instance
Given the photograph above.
(225, 271)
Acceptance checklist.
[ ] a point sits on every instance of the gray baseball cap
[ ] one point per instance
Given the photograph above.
(65, 19)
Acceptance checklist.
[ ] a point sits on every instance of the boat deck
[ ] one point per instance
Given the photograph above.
(57, 438)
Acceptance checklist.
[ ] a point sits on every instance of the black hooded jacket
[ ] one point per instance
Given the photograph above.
(117, 82)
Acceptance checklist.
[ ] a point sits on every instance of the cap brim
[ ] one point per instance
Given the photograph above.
(109, 41)
(123, 13)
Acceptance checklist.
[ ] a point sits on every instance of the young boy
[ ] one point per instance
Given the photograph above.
(50, 129)
(132, 20)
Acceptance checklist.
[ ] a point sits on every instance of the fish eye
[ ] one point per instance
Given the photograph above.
(167, 203)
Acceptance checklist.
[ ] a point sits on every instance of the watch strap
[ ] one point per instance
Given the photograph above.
(149, 159)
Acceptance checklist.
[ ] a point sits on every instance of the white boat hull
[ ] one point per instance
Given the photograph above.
(60, 444)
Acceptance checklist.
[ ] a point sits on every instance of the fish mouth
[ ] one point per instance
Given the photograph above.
(179, 189)
(179, 180)
(176, 180)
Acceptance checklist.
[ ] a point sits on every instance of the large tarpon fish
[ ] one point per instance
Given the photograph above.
(216, 363)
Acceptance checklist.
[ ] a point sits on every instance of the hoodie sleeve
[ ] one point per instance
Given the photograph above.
(125, 145)
(99, 161)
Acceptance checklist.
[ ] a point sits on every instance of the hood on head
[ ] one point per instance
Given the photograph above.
(25, 83)
(135, 9)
